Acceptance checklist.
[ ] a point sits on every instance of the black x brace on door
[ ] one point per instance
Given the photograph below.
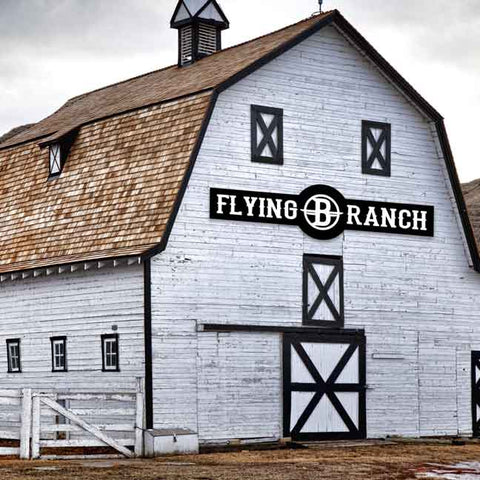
(324, 386)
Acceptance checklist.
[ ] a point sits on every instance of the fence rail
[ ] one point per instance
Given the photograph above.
(71, 419)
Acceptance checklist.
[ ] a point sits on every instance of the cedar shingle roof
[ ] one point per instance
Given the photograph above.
(118, 188)
(115, 194)
(15, 131)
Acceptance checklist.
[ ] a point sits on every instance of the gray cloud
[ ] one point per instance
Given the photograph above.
(439, 30)
(60, 27)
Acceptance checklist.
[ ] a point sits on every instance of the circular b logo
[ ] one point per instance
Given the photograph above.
(323, 210)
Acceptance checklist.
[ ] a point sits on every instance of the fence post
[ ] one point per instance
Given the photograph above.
(139, 415)
(26, 423)
(36, 427)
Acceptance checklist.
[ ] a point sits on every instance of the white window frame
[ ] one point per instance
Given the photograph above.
(110, 353)
(14, 361)
(56, 365)
(55, 159)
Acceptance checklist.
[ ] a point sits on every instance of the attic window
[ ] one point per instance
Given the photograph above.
(267, 134)
(376, 148)
(58, 152)
(55, 159)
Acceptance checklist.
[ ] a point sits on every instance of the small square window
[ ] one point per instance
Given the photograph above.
(59, 354)
(267, 134)
(13, 356)
(376, 148)
(110, 353)
(55, 159)
(323, 291)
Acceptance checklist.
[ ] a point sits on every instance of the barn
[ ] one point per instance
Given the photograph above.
(271, 236)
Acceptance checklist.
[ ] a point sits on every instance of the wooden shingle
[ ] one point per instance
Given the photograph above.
(114, 197)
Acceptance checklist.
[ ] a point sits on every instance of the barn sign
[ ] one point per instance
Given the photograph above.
(322, 212)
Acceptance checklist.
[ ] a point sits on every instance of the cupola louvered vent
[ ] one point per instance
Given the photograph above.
(200, 24)
(186, 44)
(207, 39)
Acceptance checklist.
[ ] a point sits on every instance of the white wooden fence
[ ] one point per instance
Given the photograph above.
(10, 419)
(69, 420)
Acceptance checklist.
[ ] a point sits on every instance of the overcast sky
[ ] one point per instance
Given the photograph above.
(52, 50)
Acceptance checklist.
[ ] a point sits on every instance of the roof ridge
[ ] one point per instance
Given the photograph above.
(319, 15)
(72, 100)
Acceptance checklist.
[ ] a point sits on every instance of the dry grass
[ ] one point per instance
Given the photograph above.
(387, 462)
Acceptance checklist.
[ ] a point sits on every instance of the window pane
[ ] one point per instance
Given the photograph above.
(13, 356)
(110, 349)
(59, 355)
(55, 159)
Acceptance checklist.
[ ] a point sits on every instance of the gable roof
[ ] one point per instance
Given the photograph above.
(130, 165)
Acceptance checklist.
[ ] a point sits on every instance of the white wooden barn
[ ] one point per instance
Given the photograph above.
(272, 236)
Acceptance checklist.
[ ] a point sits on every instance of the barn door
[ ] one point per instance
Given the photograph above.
(324, 387)
(476, 393)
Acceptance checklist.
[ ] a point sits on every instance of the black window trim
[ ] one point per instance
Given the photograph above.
(50, 147)
(65, 143)
(366, 169)
(110, 336)
(53, 340)
(337, 262)
(12, 341)
(256, 111)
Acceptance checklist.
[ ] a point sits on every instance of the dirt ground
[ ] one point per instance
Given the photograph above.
(372, 462)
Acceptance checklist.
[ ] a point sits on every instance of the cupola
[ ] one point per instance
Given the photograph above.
(199, 24)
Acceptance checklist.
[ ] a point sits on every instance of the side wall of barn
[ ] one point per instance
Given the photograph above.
(81, 306)
(415, 297)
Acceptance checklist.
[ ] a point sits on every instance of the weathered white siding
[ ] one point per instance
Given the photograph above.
(239, 372)
(81, 306)
(416, 297)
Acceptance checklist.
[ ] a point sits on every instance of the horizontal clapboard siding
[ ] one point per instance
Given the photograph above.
(240, 374)
(415, 297)
(81, 306)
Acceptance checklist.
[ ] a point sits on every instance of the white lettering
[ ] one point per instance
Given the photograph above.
(354, 215)
(323, 212)
(290, 210)
(261, 213)
(274, 207)
(402, 216)
(250, 202)
(389, 218)
(420, 217)
(233, 206)
(371, 219)
(221, 203)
